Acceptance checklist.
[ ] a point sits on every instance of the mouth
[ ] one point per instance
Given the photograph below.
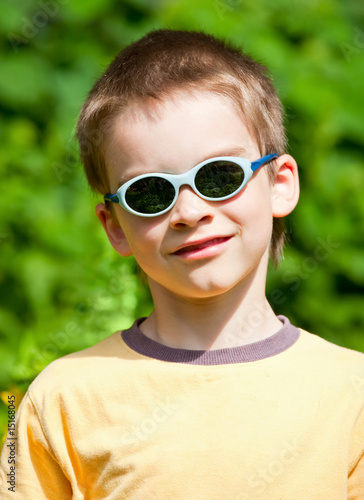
(202, 248)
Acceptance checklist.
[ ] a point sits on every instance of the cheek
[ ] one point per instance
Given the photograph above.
(143, 235)
(253, 213)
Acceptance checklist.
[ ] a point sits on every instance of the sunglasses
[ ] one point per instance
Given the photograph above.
(216, 179)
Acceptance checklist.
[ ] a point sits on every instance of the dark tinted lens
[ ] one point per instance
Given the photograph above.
(219, 178)
(150, 195)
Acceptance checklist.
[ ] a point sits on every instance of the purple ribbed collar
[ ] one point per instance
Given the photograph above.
(271, 346)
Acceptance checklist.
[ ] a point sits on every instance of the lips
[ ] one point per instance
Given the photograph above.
(200, 245)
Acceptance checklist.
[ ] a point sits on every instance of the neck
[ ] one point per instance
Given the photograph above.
(237, 317)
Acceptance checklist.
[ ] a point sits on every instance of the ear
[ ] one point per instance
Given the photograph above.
(113, 230)
(286, 186)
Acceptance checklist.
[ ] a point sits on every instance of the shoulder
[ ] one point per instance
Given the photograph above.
(318, 346)
(331, 361)
(82, 370)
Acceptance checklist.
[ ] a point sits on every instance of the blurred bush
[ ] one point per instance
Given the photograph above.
(62, 287)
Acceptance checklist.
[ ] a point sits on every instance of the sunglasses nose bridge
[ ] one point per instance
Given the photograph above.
(184, 179)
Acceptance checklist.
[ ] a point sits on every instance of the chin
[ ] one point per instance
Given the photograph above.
(211, 288)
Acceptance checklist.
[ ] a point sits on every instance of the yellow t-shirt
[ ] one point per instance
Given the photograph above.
(280, 419)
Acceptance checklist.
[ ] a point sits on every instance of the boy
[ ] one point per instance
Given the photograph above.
(183, 136)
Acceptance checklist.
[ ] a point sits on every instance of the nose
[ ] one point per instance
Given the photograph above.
(190, 209)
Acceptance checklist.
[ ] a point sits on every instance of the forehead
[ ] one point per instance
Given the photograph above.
(175, 134)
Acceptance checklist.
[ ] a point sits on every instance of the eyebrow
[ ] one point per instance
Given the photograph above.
(232, 150)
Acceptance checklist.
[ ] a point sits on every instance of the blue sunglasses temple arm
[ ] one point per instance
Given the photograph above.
(111, 197)
(262, 161)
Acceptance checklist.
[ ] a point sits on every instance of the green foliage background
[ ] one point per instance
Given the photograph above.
(62, 287)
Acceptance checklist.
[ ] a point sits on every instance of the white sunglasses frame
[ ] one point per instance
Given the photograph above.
(188, 179)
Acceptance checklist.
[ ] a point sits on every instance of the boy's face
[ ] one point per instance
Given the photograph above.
(199, 248)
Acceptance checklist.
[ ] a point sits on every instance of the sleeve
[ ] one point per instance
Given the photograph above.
(356, 465)
(36, 473)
